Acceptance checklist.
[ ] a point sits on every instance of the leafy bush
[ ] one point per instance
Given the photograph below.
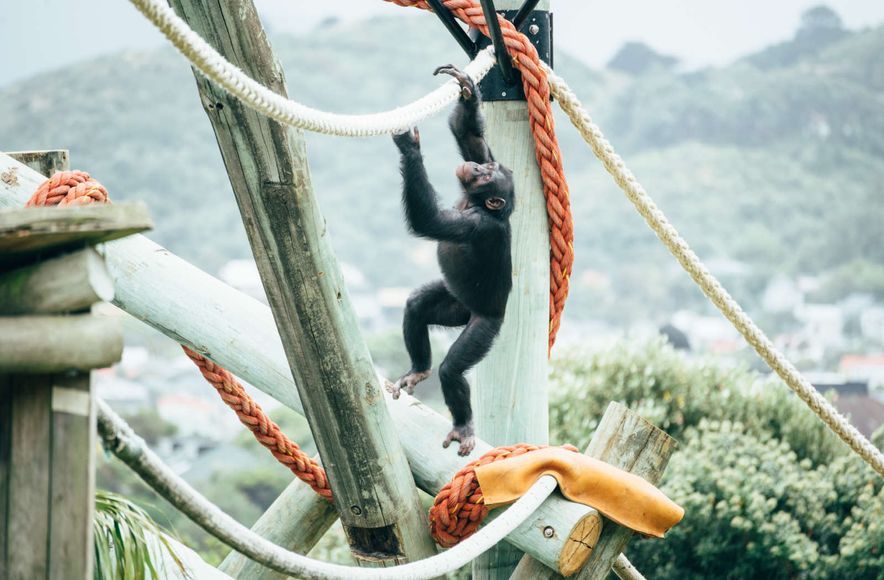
(675, 393)
(768, 492)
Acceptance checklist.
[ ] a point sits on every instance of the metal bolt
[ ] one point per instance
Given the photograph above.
(549, 532)
(533, 29)
(503, 93)
(356, 510)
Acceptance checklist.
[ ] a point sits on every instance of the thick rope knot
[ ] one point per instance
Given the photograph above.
(68, 188)
(459, 508)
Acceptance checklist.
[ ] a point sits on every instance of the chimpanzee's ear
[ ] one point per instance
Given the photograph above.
(495, 203)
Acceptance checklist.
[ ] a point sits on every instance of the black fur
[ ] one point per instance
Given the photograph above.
(473, 252)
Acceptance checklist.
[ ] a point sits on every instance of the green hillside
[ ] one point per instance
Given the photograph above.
(775, 162)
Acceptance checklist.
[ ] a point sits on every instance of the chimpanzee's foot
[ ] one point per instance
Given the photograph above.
(408, 382)
(467, 86)
(465, 435)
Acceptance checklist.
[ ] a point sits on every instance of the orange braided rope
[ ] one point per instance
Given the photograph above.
(78, 188)
(459, 507)
(546, 148)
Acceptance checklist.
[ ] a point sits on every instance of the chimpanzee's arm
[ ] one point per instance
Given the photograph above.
(466, 120)
(468, 128)
(421, 203)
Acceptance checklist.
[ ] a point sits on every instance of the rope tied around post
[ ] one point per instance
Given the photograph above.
(459, 508)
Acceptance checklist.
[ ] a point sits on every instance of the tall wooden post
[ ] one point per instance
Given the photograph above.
(266, 162)
(510, 393)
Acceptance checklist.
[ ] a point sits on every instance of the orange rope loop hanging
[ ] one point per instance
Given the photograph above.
(546, 148)
(78, 188)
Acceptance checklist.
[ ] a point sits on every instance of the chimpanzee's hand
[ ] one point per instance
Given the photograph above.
(467, 86)
(409, 140)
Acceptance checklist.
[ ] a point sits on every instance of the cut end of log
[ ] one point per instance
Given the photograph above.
(580, 544)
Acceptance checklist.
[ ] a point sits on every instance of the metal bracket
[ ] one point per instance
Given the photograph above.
(537, 26)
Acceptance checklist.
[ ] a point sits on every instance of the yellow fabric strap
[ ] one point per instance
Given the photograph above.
(623, 497)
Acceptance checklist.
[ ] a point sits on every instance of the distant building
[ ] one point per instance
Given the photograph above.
(868, 368)
(782, 295)
(852, 398)
(871, 323)
(678, 339)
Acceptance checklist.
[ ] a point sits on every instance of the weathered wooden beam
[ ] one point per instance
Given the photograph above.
(44, 162)
(266, 162)
(33, 231)
(72, 489)
(625, 440)
(511, 394)
(48, 344)
(238, 332)
(67, 283)
(298, 505)
(30, 466)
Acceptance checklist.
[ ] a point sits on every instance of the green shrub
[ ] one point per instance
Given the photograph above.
(768, 492)
(675, 392)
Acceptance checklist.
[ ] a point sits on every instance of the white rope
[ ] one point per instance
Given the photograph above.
(119, 438)
(704, 278)
(232, 79)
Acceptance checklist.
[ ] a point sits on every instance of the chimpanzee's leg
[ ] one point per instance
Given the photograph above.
(429, 305)
(469, 348)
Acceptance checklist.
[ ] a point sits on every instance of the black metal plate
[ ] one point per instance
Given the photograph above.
(492, 86)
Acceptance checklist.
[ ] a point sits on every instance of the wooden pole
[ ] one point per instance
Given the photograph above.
(238, 332)
(510, 393)
(625, 440)
(48, 344)
(266, 162)
(47, 424)
(65, 284)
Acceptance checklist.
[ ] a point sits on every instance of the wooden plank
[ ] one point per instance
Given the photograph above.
(297, 520)
(30, 454)
(238, 332)
(67, 283)
(42, 344)
(510, 393)
(625, 440)
(44, 162)
(267, 165)
(72, 488)
(5, 436)
(41, 231)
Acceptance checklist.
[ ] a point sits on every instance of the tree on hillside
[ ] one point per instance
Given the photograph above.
(637, 58)
(820, 18)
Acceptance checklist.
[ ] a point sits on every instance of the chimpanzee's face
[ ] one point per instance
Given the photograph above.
(487, 185)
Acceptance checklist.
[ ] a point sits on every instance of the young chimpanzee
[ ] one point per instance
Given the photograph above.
(473, 252)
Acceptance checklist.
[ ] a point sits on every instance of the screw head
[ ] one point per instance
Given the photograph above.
(549, 532)
(356, 510)
(533, 29)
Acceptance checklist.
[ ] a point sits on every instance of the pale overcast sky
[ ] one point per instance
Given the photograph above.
(39, 35)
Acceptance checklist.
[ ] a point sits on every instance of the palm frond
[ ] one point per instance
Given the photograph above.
(124, 534)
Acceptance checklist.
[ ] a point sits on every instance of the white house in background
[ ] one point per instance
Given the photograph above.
(823, 323)
(708, 333)
(861, 367)
(782, 295)
(134, 362)
(196, 415)
(871, 323)
(123, 395)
